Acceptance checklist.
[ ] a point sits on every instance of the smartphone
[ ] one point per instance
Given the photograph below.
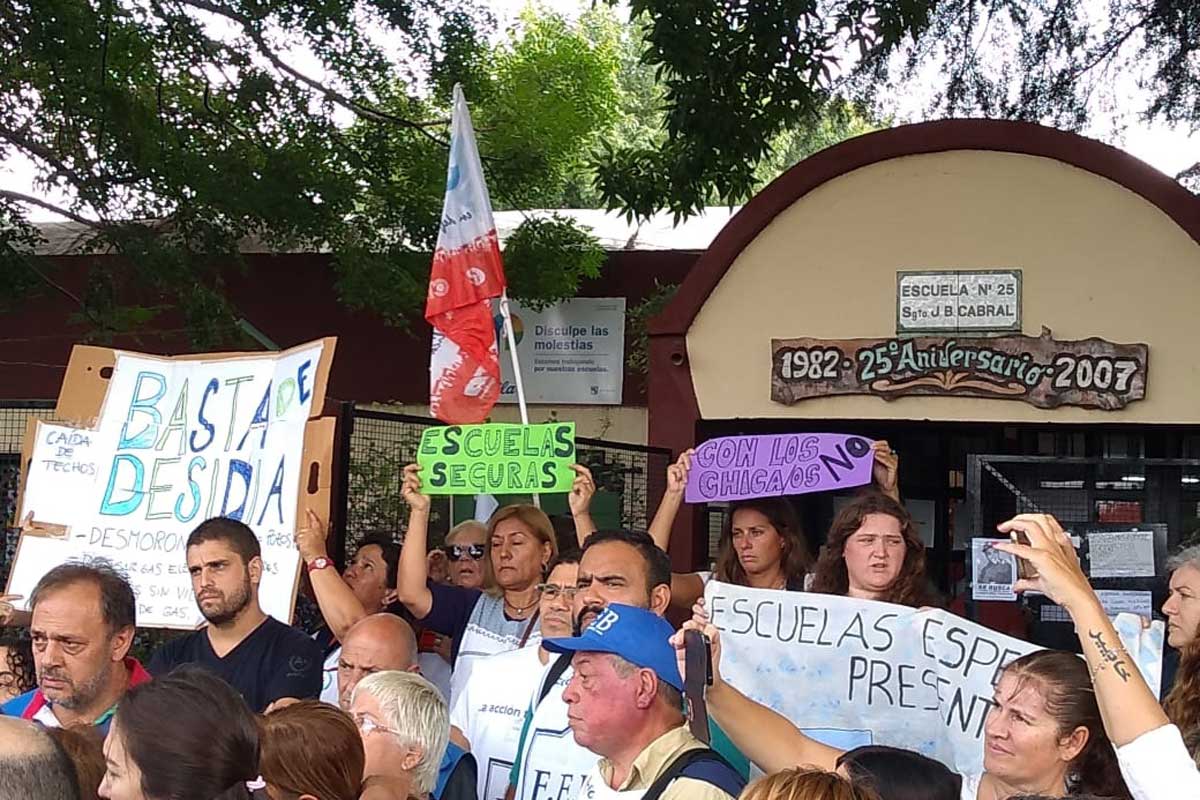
(1025, 568)
(697, 674)
(428, 641)
(698, 655)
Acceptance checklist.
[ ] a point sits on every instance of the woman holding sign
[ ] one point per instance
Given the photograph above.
(873, 552)
(1052, 730)
(503, 615)
(762, 544)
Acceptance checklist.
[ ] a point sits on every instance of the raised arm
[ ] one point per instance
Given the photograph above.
(1127, 706)
(672, 499)
(885, 470)
(340, 608)
(411, 588)
(767, 738)
(10, 616)
(583, 488)
(686, 589)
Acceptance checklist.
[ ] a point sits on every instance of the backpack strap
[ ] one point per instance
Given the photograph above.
(556, 671)
(703, 764)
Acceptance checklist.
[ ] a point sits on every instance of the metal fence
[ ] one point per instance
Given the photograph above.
(13, 417)
(1157, 497)
(1082, 491)
(630, 478)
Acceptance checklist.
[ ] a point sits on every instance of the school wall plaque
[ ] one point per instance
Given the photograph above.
(1041, 371)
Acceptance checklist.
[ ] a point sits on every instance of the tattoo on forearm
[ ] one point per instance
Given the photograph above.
(1110, 655)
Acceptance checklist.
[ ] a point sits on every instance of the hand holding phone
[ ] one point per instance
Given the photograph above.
(1025, 568)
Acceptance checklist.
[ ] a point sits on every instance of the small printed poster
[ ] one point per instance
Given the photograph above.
(993, 572)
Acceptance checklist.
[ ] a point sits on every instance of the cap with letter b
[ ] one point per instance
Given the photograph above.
(639, 636)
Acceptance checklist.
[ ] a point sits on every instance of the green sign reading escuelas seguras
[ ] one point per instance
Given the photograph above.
(497, 458)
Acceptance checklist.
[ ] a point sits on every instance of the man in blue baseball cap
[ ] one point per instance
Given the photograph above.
(625, 703)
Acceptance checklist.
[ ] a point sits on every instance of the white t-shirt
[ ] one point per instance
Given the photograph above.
(489, 632)
(435, 670)
(1157, 766)
(490, 708)
(45, 715)
(595, 788)
(553, 766)
(329, 686)
(970, 786)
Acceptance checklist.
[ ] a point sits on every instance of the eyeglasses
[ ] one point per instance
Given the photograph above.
(457, 552)
(552, 591)
(368, 725)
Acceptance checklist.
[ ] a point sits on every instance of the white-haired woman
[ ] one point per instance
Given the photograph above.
(405, 724)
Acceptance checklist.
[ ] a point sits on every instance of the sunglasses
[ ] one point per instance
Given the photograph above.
(457, 552)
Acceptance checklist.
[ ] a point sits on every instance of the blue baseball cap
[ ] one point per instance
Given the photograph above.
(635, 634)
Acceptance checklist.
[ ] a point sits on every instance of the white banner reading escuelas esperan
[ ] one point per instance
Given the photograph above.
(853, 672)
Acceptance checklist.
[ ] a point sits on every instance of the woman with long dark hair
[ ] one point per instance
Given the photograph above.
(1060, 726)
(1182, 608)
(873, 552)
(186, 735)
(762, 544)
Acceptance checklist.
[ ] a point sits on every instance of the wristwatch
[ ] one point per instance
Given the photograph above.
(321, 562)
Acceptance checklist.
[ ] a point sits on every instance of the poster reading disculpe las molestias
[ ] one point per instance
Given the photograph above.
(570, 352)
(175, 442)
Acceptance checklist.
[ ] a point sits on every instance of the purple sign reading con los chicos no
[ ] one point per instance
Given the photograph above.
(741, 467)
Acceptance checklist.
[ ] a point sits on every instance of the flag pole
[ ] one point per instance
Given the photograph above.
(516, 362)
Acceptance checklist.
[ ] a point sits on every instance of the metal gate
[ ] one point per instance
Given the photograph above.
(630, 478)
(1082, 491)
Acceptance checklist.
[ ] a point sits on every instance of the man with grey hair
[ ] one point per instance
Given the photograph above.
(32, 765)
(405, 726)
(375, 643)
(381, 643)
(626, 706)
(83, 618)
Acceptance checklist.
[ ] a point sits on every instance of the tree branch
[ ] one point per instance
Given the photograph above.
(34, 201)
(251, 27)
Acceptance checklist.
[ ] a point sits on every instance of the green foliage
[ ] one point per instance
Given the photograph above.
(546, 258)
(838, 121)
(284, 122)
(637, 325)
(738, 74)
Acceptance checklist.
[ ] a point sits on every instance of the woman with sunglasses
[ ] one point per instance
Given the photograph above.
(465, 550)
(501, 616)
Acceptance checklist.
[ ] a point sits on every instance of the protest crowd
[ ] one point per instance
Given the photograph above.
(517, 662)
(530, 658)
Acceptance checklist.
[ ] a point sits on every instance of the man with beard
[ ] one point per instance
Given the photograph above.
(82, 626)
(262, 658)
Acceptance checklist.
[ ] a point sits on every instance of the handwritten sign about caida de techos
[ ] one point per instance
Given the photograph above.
(497, 458)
